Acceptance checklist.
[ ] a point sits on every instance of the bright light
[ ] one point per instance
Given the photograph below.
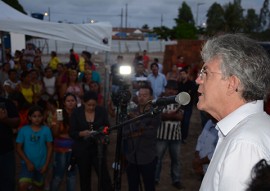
(46, 14)
(125, 70)
(92, 21)
(204, 25)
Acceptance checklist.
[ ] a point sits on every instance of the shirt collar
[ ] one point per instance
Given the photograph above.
(231, 120)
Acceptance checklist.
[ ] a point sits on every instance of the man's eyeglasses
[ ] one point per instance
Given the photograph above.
(203, 73)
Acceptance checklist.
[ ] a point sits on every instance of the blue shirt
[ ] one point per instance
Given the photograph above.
(34, 144)
(207, 141)
(158, 84)
(95, 76)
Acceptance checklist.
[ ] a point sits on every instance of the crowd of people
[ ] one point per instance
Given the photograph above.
(57, 115)
(38, 106)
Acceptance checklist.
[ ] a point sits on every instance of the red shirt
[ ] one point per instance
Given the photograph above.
(181, 65)
(146, 60)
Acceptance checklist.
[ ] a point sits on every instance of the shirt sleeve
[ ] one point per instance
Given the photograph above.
(20, 136)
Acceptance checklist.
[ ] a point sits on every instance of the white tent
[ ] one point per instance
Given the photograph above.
(97, 35)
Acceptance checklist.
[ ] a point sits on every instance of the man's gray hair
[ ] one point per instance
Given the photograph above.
(244, 58)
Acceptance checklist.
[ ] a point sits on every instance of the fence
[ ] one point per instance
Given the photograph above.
(118, 46)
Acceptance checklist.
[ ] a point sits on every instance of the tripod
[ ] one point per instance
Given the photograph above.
(117, 163)
(119, 127)
(101, 141)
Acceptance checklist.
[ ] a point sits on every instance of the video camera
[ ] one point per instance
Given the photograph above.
(122, 95)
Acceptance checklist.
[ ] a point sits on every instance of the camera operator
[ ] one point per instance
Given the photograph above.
(116, 78)
(138, 80)
(140, 144)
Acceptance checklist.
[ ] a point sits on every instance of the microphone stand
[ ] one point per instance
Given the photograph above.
(102, 139)
(153, 112)
(119, 128)
(100, 157)
(117, 170)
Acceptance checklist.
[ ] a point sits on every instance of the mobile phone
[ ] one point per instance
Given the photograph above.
(59, 114)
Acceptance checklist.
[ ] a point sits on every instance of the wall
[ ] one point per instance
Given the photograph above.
(190, 49)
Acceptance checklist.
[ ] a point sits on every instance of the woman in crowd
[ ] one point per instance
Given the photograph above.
(73, 86)
(84, 120)
(37, 85)
(26, 88)
(86, 81)
(54, 61)
(38, 66)
(95, 87)
(61, 78)
(49, 81)
(62, 147)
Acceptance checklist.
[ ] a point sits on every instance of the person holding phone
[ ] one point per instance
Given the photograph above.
(63, 146)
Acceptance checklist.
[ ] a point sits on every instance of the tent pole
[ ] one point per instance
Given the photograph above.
(107, 78)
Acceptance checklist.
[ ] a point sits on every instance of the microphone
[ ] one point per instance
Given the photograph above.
(182, 98)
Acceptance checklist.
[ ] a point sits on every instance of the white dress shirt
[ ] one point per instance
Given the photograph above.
(244, 139)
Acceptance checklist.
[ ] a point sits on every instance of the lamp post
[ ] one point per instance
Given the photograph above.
(48, 14)
(197, 12)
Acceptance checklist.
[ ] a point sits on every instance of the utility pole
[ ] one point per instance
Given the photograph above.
(126, 15)
(161, 20)
(49, 13)
(121, 24)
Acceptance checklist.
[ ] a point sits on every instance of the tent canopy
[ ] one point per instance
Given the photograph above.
(96, 35)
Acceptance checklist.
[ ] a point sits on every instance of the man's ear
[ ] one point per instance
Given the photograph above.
(234, 84)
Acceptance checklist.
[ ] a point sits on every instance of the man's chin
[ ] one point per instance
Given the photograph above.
(200, 106)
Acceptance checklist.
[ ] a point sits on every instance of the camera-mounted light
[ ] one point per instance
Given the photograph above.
(125, 70)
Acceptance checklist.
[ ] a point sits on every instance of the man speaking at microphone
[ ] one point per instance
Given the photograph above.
(233, 83)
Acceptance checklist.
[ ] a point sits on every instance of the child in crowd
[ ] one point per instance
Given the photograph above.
(34, 146)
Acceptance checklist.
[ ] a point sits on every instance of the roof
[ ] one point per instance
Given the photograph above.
(97, 35)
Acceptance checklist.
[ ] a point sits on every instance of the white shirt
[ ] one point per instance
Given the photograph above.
(244, 139)
(49, 84)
